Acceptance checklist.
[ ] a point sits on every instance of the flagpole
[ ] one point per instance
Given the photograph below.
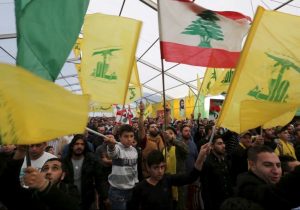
(198, 95)
(164, 94)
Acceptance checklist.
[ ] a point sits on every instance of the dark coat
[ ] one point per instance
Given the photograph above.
(216, 181)
(90, 178)
(285, 195)
(63, 196)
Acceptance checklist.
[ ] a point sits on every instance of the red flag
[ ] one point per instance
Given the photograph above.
(193, 35)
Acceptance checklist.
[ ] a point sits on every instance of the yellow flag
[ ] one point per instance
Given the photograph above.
(265, 89)
(189, 105)
(108, 53)
(95, 107)
(135, 88)
(77, 53)
(216, 81)
(33, 110)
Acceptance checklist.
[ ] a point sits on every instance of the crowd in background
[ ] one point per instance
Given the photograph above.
(252, 170)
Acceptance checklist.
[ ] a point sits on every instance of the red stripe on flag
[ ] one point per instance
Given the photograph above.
(197, 56)
(233, 15)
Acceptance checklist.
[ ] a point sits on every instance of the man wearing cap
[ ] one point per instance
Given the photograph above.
(239, 156)
(284, 147)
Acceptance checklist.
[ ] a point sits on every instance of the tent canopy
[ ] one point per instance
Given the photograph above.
(178, 78)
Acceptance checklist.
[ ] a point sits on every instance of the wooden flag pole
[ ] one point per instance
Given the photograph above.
(95, 132)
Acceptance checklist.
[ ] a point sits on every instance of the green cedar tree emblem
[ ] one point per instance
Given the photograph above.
(102, 66)
(277, 87)
(206, 27)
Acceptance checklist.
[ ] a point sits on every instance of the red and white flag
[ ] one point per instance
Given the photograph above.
(193, 35)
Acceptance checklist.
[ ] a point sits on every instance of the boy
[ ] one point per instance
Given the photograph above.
(155, 192)
(124, 167)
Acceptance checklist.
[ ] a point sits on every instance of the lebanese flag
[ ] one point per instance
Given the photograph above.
(193, 35)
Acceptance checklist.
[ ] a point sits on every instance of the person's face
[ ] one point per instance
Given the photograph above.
(36, 150)
(51, 150)
(267, 167)
(186, 132)
(201, 129)
(170, 134)
(53, 171)
(270, 133)
(157, 171)
(259, 140)
(284, 135)
(181, 104)
(246, 140)
(135, 125)
(290, 129)
(78, 147)
(127, 138)
(153, 130)
(8, 148)
(219, 147)
(101, 129)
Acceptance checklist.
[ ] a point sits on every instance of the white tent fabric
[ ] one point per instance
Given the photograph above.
(178, 78)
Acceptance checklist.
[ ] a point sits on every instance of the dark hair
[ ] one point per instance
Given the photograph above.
(183, 126)
(76, 138)
(237, 203)
(56, 159)
(125, 128)
(280, 129)
(256, 150)
(48, 148)
(155, 157)
(215, 138)
(284, 160)
(150, 123)
(172, 128)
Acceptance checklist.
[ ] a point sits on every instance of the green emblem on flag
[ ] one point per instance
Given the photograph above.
(277, 87)
(213, 77)
(132, 92)
(206, 27)
(102, 66)
(228, 77)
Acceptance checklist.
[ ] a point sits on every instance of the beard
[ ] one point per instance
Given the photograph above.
(153, 133)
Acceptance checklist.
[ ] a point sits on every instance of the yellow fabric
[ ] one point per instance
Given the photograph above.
(95, 107)
(108, 54)
(216, 81)
(148, 111)
(135, 88)
(287, 149)
(266, 83)
(189, 106)
(77, 53)
(33, 110)
(171, 167)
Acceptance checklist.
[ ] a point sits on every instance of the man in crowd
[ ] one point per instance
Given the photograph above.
(263, 183)
(215, 176)
(83, 171)
(47, 188)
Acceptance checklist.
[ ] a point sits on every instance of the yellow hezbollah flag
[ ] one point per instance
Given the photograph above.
(108, 53)
(95, 107)
(33, 110)
(265, 89)
(216, 81)
(134, 90)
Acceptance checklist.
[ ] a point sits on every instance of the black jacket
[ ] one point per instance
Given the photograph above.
(90, 178)
(284, 195)
(63, 196)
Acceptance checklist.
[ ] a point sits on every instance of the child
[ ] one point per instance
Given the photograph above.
(155, 192)
(124, 173)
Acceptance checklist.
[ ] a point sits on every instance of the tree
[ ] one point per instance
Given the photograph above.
(206, 27)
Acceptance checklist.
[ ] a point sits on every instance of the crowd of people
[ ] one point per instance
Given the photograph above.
(185, 165)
